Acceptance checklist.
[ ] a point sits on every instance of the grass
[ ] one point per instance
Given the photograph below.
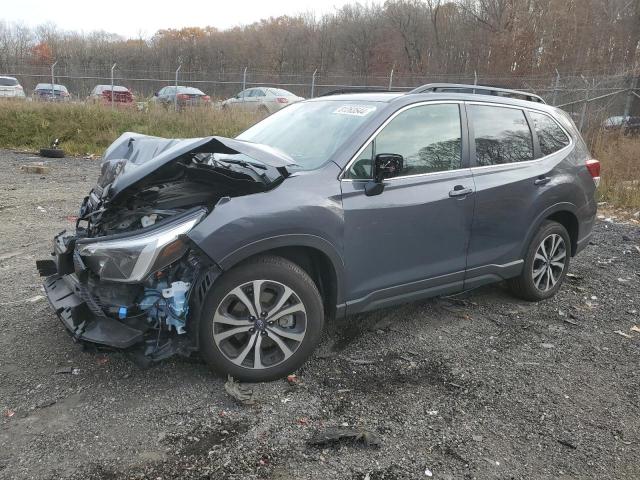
(619, 157)
(89, 129)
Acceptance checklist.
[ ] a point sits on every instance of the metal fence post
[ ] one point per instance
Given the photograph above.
(112, 93)
(391, 77)
(632, 88)
(475, 77)
(555, 88)
(175, 95)
(313, 82)
(244, 79)
(584, 103)
(53, 93)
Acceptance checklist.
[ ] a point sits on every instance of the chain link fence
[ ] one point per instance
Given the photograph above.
(589, 98)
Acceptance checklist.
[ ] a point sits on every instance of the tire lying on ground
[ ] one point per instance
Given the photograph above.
(52, 153)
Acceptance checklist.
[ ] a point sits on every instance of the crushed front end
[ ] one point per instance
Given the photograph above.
(129, 277)
(131, 291)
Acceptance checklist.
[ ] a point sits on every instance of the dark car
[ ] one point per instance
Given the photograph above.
(44, 92)
(182, 96)
(241, 248)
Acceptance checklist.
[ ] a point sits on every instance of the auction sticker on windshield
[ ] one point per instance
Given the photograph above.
(357, 110)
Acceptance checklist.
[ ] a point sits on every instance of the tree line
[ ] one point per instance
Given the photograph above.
(490, 37)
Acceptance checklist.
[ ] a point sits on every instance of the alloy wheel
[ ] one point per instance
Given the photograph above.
(259, 324)
(549, 262)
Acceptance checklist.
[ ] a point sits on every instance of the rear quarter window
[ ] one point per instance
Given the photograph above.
(502, 135)
(550, 135)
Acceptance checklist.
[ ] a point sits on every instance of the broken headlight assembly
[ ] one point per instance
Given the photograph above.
(132, 258)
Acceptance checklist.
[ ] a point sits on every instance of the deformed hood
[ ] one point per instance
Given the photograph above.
(134, 156)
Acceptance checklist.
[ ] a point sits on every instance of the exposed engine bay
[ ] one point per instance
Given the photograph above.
(128, 273)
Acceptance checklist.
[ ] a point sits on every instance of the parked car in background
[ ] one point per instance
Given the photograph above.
(11, 88)
(240, 248)
(627, 124)
(261, 99)
(184, 96)
(45, 93)
(122, 96)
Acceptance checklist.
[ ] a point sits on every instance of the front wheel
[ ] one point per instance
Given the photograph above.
(261, 320)
(545, 265)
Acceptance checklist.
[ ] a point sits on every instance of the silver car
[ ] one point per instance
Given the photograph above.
(261, 99)
(11, 88)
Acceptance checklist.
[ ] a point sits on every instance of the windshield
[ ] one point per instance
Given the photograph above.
(8, 82)
(47, 86)
(190, 91)
(279, 92)
(311, 132)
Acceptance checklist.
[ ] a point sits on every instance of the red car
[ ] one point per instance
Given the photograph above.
(122, 96)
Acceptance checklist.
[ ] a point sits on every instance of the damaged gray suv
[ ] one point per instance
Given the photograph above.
(240, 249)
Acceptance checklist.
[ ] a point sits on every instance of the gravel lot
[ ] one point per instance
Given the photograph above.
(479, 386)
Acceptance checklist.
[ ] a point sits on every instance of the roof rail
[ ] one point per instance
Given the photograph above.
(478, 90)
(343, 90)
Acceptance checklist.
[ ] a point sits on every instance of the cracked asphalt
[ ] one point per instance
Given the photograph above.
(476, 386)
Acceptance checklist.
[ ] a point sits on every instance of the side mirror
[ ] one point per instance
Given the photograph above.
(155, 94)
(385, 165)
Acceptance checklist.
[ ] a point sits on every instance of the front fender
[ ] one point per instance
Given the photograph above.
(305, 210)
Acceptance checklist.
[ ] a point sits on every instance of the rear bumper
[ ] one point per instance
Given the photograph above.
(65, 294)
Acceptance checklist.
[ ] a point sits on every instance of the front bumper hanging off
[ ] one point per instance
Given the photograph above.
(64, 294)
(75, 305)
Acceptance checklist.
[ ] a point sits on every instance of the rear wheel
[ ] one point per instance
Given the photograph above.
(546, 264)
(261, 320)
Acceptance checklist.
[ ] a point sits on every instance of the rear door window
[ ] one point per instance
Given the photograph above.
(502, 135)
(550, 136)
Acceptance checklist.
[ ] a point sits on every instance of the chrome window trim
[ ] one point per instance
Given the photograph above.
(526, 162)
(470, 168)
(384, 124)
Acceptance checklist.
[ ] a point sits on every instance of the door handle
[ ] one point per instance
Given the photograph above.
(542, 180)
(460, 191)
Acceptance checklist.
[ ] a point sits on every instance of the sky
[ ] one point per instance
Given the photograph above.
(134, 18)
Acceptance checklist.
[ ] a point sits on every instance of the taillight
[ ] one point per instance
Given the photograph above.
(282, 100)
(19, 87)
(594, 169)
(206, 98)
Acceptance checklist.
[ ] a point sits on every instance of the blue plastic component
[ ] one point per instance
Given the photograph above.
(166, 304)
(122, 313)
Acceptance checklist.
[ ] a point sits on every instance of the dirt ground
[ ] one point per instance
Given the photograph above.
(476, 386)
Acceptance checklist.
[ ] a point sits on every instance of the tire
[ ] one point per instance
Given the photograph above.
(535, 283)
(284, 286)
(52, 153)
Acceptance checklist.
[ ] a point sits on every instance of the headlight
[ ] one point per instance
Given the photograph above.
(133, 258)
